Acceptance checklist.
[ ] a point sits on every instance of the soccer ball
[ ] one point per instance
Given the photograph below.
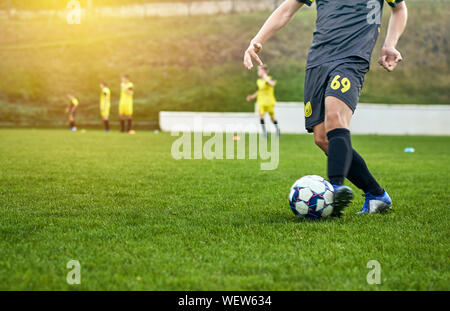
(312, 197)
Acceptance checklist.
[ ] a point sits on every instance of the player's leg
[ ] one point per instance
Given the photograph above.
(320, 137)
(122, 112)
(337, 123)
(343, 160)
(377, 199)
(106, 123)
(343, 194)
(72, 120)
(316, 107)
(262, 112)
(361, 177)
(129, 118)
(358, 173)
(122, 122)
(341, 97)
(263, 124)
(271, 112)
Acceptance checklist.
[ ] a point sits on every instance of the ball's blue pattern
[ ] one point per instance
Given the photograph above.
(312, 203)
(294, 199)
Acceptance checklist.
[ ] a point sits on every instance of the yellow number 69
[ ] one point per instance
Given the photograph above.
(335, 84)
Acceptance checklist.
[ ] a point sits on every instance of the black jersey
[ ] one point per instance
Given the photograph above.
(345, 28)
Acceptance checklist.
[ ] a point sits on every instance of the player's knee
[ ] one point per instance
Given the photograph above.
(332, 116)
(333, 119)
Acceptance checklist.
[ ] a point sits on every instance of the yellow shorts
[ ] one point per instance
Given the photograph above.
(104, 113)
(263, 109)
(126, 108)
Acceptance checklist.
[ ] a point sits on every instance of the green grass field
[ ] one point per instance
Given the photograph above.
(137, 219)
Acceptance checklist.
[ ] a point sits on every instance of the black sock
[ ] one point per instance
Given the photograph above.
(275, 122)
(122, 125)
(339, 155)
(263, 125)
(71, 124)
(129, 125)
(106, 124)
(361, 177)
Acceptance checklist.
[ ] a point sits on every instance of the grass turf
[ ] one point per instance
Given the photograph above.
(138, 219)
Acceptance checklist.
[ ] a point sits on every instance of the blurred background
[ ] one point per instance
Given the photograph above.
(185, 56)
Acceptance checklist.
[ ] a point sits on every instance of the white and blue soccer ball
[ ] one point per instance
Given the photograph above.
(311, 197)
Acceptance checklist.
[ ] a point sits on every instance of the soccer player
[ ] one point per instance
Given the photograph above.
(105, 104)
(73, 104)
(265, 98)
(126, 103)
(338, 59)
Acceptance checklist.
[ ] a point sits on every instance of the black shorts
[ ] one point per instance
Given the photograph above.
(342, 79)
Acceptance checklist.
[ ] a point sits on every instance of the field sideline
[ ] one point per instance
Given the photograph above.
(137, 219)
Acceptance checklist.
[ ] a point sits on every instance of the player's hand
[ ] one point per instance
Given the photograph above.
(390, 57)
(252, 52)
(249, 98)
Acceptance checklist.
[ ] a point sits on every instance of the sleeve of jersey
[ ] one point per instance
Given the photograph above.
(393, 3)
(308, 2)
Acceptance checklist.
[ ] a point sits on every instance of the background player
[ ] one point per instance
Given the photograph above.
(105, 104)
(73, 104)
(338, 60)
(265, 98)
(126, 103)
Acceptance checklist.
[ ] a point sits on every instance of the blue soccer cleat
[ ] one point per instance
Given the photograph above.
(343, 196)
(376, 204)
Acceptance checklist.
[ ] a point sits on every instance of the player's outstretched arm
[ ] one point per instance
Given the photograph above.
(390, 57)
(252, 97)
(279, 18)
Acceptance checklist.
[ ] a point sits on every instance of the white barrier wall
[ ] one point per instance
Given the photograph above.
(401, 119)
(368, 119)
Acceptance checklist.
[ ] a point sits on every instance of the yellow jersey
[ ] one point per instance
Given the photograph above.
(105, 101)
(74, 101)
(126, 93)
(266, 94)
